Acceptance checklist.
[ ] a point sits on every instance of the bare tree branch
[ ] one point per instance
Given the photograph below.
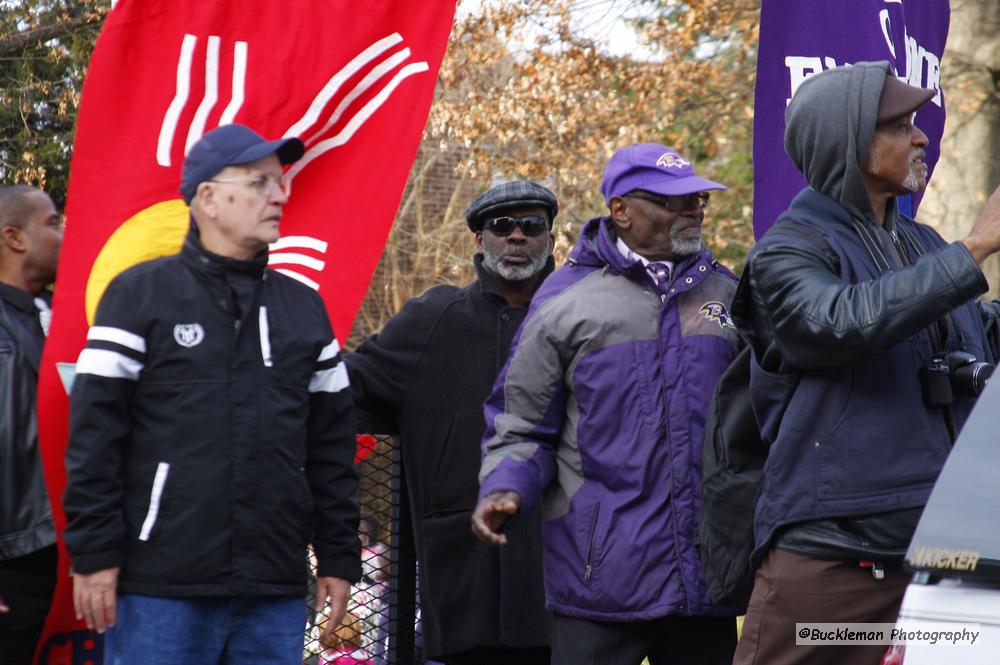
(32, 39)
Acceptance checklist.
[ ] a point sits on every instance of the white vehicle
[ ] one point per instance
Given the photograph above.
(956, 550)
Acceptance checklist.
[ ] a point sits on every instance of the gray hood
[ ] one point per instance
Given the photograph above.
(829, 127)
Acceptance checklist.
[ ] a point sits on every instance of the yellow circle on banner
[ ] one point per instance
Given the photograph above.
(157, 231)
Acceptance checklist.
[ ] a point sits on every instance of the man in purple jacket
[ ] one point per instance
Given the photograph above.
(600, 412)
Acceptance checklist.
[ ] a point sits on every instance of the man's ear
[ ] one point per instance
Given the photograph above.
(204, 197)
(13, 237)
(618, 211)
(552, 242)
(479, 240)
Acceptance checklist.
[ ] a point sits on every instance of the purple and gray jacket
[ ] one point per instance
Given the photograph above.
(600, 413)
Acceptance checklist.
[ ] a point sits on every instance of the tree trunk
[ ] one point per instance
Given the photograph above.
(969, 168)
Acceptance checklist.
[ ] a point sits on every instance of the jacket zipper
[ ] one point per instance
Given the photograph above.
(265, 337)
(590, 548)
(159, 480)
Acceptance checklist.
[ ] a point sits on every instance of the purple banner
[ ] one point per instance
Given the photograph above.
(799, 38)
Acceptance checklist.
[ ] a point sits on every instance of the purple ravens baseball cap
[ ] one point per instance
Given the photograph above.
(231, 145)
(653, 168)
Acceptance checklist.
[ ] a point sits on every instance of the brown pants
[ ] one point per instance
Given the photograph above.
(790, 588)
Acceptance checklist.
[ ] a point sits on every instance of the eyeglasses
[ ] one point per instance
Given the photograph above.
(261, 184)
(531, 225)
(674, 203)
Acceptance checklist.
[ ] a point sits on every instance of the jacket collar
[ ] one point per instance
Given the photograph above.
(22, 300)
(195, 255)
(597, 248)
(488, 283)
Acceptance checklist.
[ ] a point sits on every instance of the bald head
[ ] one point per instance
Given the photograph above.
(16, 204)
(30, 238)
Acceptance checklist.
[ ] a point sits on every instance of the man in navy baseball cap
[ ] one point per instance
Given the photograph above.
(231, 145)
(255, 370)
(233, 181)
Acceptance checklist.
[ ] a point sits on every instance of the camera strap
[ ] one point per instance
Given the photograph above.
(940, 330)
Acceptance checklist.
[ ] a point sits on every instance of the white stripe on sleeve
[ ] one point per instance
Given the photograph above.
(117, 336)
(329, 351)
(110, 364)
(331, 380)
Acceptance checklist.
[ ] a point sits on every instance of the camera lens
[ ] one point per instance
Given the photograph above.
(969, 380)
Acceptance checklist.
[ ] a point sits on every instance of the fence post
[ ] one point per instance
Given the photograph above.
(403, 571)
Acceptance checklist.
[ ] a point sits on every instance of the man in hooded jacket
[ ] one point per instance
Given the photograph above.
(846, 302)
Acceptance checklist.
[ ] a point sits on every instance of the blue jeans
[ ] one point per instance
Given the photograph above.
(206, 631)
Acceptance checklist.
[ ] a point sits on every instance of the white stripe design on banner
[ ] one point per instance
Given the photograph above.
(331, 380)
(294, 258)
(110, 364)
(173, 113)
(280, 258)
(197, 127)
(329, 351)
(117, 336)
(359, 118)
(337, 80)
(367, 82)
(239, 84)
(265, 337)
(159, 480)
(305, 242)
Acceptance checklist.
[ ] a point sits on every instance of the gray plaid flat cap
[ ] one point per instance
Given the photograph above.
(517, 194)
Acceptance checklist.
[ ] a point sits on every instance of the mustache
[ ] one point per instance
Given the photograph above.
(684, 223)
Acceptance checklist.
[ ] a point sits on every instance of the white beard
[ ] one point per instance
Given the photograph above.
(494, 263)
(687, 246)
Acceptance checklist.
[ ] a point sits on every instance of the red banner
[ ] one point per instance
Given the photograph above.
(353, 80)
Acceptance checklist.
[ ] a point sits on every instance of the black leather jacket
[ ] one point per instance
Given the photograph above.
(800, 315)
(803, 318)
(25, 516)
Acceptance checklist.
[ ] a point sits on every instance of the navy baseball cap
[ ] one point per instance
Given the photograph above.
(231, 145)
(654, 168)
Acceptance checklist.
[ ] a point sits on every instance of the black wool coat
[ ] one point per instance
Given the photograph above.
(425, 377)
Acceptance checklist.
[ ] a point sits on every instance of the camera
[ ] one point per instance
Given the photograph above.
(951, 374)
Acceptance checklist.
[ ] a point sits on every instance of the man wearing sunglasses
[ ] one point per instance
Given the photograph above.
(599, 416)
(424, 377)
(212, 436)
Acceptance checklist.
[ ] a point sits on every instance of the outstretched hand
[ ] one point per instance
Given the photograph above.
(984, 238)
(492, 513)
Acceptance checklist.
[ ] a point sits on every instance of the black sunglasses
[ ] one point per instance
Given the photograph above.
(531, 225)
(674, 203)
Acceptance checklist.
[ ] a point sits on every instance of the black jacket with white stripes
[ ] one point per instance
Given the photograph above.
(211, 433)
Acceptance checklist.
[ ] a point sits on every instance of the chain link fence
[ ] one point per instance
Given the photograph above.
(382, 625)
